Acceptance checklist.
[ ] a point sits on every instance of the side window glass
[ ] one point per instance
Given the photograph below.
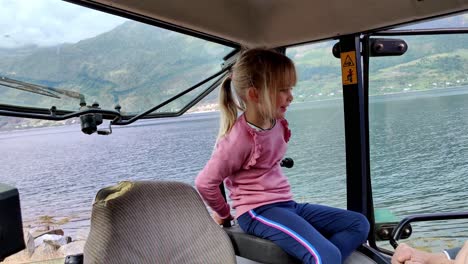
(316, 120)
(418, 109)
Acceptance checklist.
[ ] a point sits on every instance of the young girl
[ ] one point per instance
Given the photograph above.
(247, 158)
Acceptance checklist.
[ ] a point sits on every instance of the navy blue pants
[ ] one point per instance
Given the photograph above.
(312, 233)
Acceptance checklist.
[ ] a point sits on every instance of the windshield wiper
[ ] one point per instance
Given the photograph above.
(39, 89)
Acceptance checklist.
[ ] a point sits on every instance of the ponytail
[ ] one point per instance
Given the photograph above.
(228, 107)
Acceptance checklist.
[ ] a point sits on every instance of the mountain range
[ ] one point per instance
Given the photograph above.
(138, 66)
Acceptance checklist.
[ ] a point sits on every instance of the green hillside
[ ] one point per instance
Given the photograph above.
(430, 62)
(133, 65)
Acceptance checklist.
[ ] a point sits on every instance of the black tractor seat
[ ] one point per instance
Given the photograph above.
(133, 222)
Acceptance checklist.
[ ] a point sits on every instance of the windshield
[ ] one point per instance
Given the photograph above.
(59, 54)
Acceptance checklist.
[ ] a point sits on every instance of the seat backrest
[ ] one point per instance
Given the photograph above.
(154, 222)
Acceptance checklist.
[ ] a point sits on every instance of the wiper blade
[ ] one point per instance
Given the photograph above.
(39, 89)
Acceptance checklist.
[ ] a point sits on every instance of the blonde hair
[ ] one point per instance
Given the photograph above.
(267, 71)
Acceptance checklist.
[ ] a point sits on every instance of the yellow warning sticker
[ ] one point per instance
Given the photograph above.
(348, 67)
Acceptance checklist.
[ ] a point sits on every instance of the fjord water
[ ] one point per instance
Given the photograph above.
(418, 145)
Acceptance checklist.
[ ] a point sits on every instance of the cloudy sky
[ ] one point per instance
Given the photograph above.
(50, 22)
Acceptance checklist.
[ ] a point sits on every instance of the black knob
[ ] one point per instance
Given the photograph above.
(287, 162)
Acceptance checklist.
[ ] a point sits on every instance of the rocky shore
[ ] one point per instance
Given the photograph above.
(51, 246)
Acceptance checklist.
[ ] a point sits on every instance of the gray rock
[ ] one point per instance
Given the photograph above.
(30, 246)
(72, 248)
(82, 234)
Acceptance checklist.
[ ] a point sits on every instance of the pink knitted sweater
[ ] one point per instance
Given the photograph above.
(249, 162)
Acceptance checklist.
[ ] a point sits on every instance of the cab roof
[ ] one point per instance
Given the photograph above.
(275, 23)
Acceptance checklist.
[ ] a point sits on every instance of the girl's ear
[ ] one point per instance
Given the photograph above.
(252, 94)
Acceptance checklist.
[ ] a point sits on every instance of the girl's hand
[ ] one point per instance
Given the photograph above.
(220, 221)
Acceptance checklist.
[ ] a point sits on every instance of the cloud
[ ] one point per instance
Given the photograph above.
(50, 22)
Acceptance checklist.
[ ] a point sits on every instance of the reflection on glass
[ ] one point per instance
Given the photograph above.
(119, 62)
(458, 21)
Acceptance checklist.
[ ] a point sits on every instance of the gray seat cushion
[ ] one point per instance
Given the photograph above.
(154, 222)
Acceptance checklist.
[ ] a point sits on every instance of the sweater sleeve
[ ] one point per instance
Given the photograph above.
(227, 158)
